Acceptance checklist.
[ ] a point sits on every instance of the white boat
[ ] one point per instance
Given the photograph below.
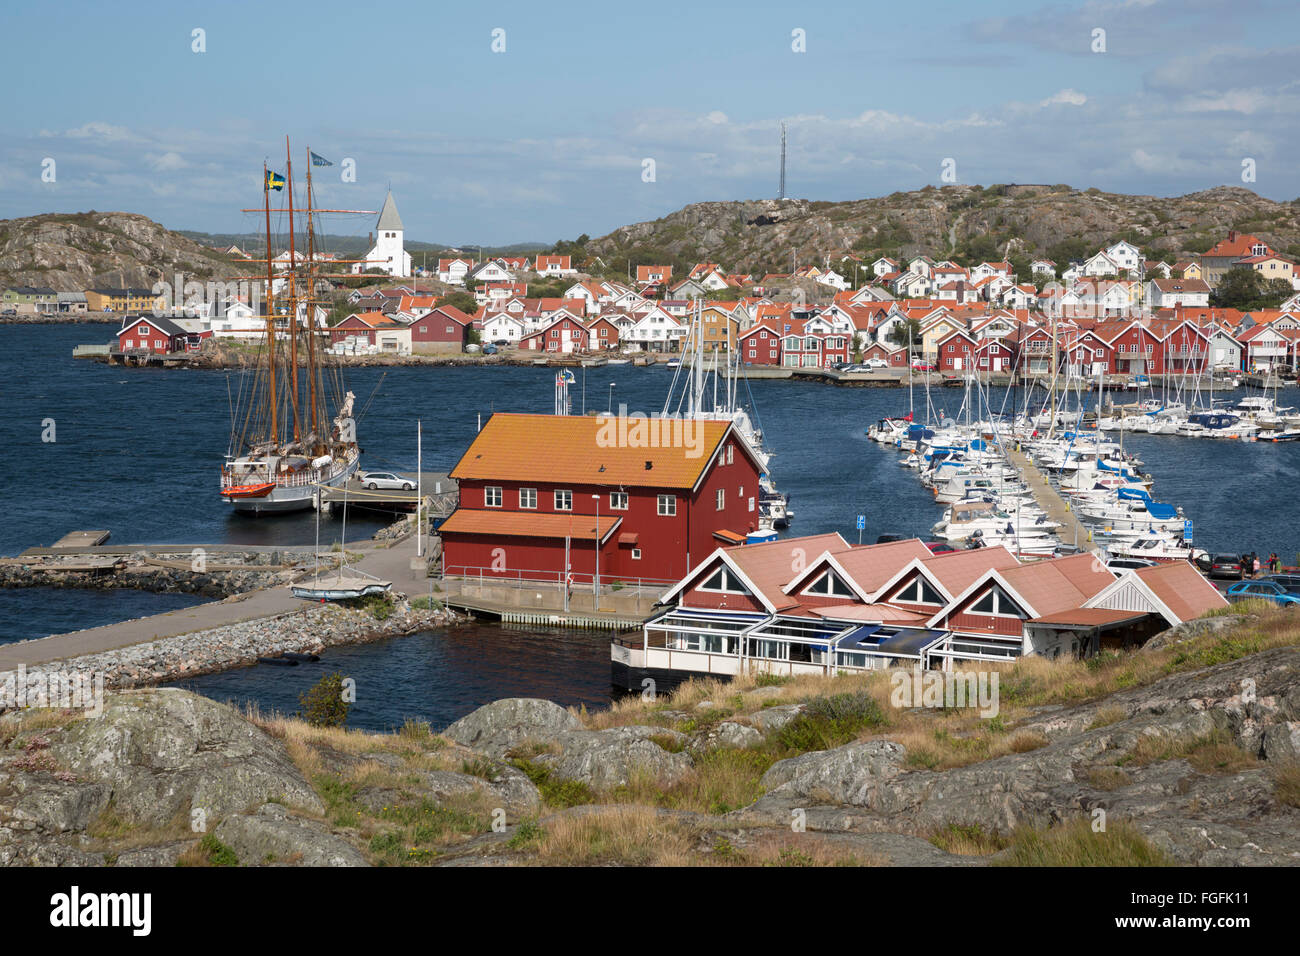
(341, 584)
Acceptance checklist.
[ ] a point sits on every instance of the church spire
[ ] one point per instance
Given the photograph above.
(388, 217)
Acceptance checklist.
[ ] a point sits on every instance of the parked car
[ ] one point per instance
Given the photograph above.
(940, 547)
(1226, 566)
(501, 343)
(375, 480)
(922, 367)
(876, 363)
(1289, 582)
(1264, 590)
(1128, 564)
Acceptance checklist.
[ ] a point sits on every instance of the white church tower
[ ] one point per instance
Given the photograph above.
(388, 253)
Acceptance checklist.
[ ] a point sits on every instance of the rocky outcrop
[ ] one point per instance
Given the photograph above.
(72, 252)
(273, 836)
(502, 725)
(605, 759)
(164, 762)
(757, 235)
(1229, 818)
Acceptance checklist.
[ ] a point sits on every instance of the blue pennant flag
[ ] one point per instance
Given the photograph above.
(274, 181)
(318, 160)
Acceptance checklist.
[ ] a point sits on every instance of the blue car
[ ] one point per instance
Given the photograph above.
(1266, 590)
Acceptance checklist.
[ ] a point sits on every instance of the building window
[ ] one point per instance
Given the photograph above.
(618, 501)
(751, 502)
(919, 592)
(731, 454)
(564, 501)
(724, 580)
(722, 498)
(492, 496)
(667, 506)
(829, 585)
(528, 498)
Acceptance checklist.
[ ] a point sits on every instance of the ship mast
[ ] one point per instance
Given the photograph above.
(311, 305)
(270, 312)
(293, 300)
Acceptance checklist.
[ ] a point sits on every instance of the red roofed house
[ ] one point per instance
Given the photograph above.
(554, 266)
(666, 489)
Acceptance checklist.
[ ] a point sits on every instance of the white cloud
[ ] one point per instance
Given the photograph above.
(167, 162)
(1065, 98)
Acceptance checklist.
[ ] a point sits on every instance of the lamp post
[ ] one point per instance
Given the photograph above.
(596, 580)
(610, 410)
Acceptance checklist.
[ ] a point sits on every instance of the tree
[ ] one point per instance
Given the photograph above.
(326, 704)
(460, 300)
(905, 334)
(1245, 289)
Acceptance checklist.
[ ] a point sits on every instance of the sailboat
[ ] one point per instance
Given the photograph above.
(696, 402)
(285, 445)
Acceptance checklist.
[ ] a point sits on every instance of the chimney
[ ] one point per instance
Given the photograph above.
(1232, 235)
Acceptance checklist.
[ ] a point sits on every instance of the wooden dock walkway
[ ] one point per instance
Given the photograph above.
(1071, 531)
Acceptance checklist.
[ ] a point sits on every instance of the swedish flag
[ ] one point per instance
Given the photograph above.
(274, 181)
(318, 160)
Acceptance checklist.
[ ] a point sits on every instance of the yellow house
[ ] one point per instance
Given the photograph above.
(935, 332)
(719, 329)
(122, 300)
(1270, 266)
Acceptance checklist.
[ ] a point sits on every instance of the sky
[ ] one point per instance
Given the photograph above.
(531, 122)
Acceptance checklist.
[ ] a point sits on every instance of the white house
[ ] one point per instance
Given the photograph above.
(657, 330)
(1168, 293)
(389, 253)
(454, 271)
(1043, 267)
(1100, 265)
(883, 266)
(1125, 255)
(502, 326)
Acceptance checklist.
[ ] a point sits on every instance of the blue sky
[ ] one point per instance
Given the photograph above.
(548, 139)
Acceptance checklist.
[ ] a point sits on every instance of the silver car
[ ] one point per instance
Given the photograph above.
(375, 480)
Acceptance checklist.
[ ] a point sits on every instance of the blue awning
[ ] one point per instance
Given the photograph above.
(1135, 494)
(856, 636)
(911, 643)
(1162, 512)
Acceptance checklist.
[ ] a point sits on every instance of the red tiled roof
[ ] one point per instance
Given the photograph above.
(577, 449)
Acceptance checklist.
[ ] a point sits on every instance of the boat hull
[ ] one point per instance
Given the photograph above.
(292, 498)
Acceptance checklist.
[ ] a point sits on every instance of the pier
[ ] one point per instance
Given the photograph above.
(1072, 530)
(439, 489)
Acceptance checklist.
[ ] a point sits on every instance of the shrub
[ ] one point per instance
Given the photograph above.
(829, 722)
(426, 603)
(324, 705)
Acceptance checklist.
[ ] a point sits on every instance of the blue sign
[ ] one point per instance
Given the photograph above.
(1187, 530)
(862, 522)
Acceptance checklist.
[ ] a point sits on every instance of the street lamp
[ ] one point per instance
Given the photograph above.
(596, 580)
(610, 410)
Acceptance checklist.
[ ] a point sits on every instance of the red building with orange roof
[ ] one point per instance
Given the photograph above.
(647, 494)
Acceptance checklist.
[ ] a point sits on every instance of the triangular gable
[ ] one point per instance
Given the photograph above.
(706, 569)
(823, 562)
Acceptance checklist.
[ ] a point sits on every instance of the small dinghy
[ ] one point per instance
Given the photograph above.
(342, 584)
(278, 661)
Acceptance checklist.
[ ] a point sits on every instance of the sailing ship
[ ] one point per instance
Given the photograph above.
(285, 444)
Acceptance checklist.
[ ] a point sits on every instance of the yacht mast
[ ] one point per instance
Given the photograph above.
(293, 301)
(274, 435)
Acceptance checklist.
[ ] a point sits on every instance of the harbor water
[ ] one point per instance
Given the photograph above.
(137, 451)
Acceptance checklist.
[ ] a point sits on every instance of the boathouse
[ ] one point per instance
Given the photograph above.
(628, 498)
(818, 605)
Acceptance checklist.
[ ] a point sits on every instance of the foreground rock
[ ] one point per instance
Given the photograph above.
(502, 725)
(163, 762)
(1220, 818)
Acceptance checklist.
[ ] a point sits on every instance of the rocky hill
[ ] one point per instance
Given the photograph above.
(1181, 753)
(965, 222)
(71, 252)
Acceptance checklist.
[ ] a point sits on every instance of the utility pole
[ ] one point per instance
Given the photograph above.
(781, 191)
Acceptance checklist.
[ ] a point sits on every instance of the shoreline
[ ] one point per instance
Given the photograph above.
(306, 630)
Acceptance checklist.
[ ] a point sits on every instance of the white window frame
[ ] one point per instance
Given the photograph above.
(618, 500)
(493, 497)
(667, 506)
(567, 498)
(528, 499)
